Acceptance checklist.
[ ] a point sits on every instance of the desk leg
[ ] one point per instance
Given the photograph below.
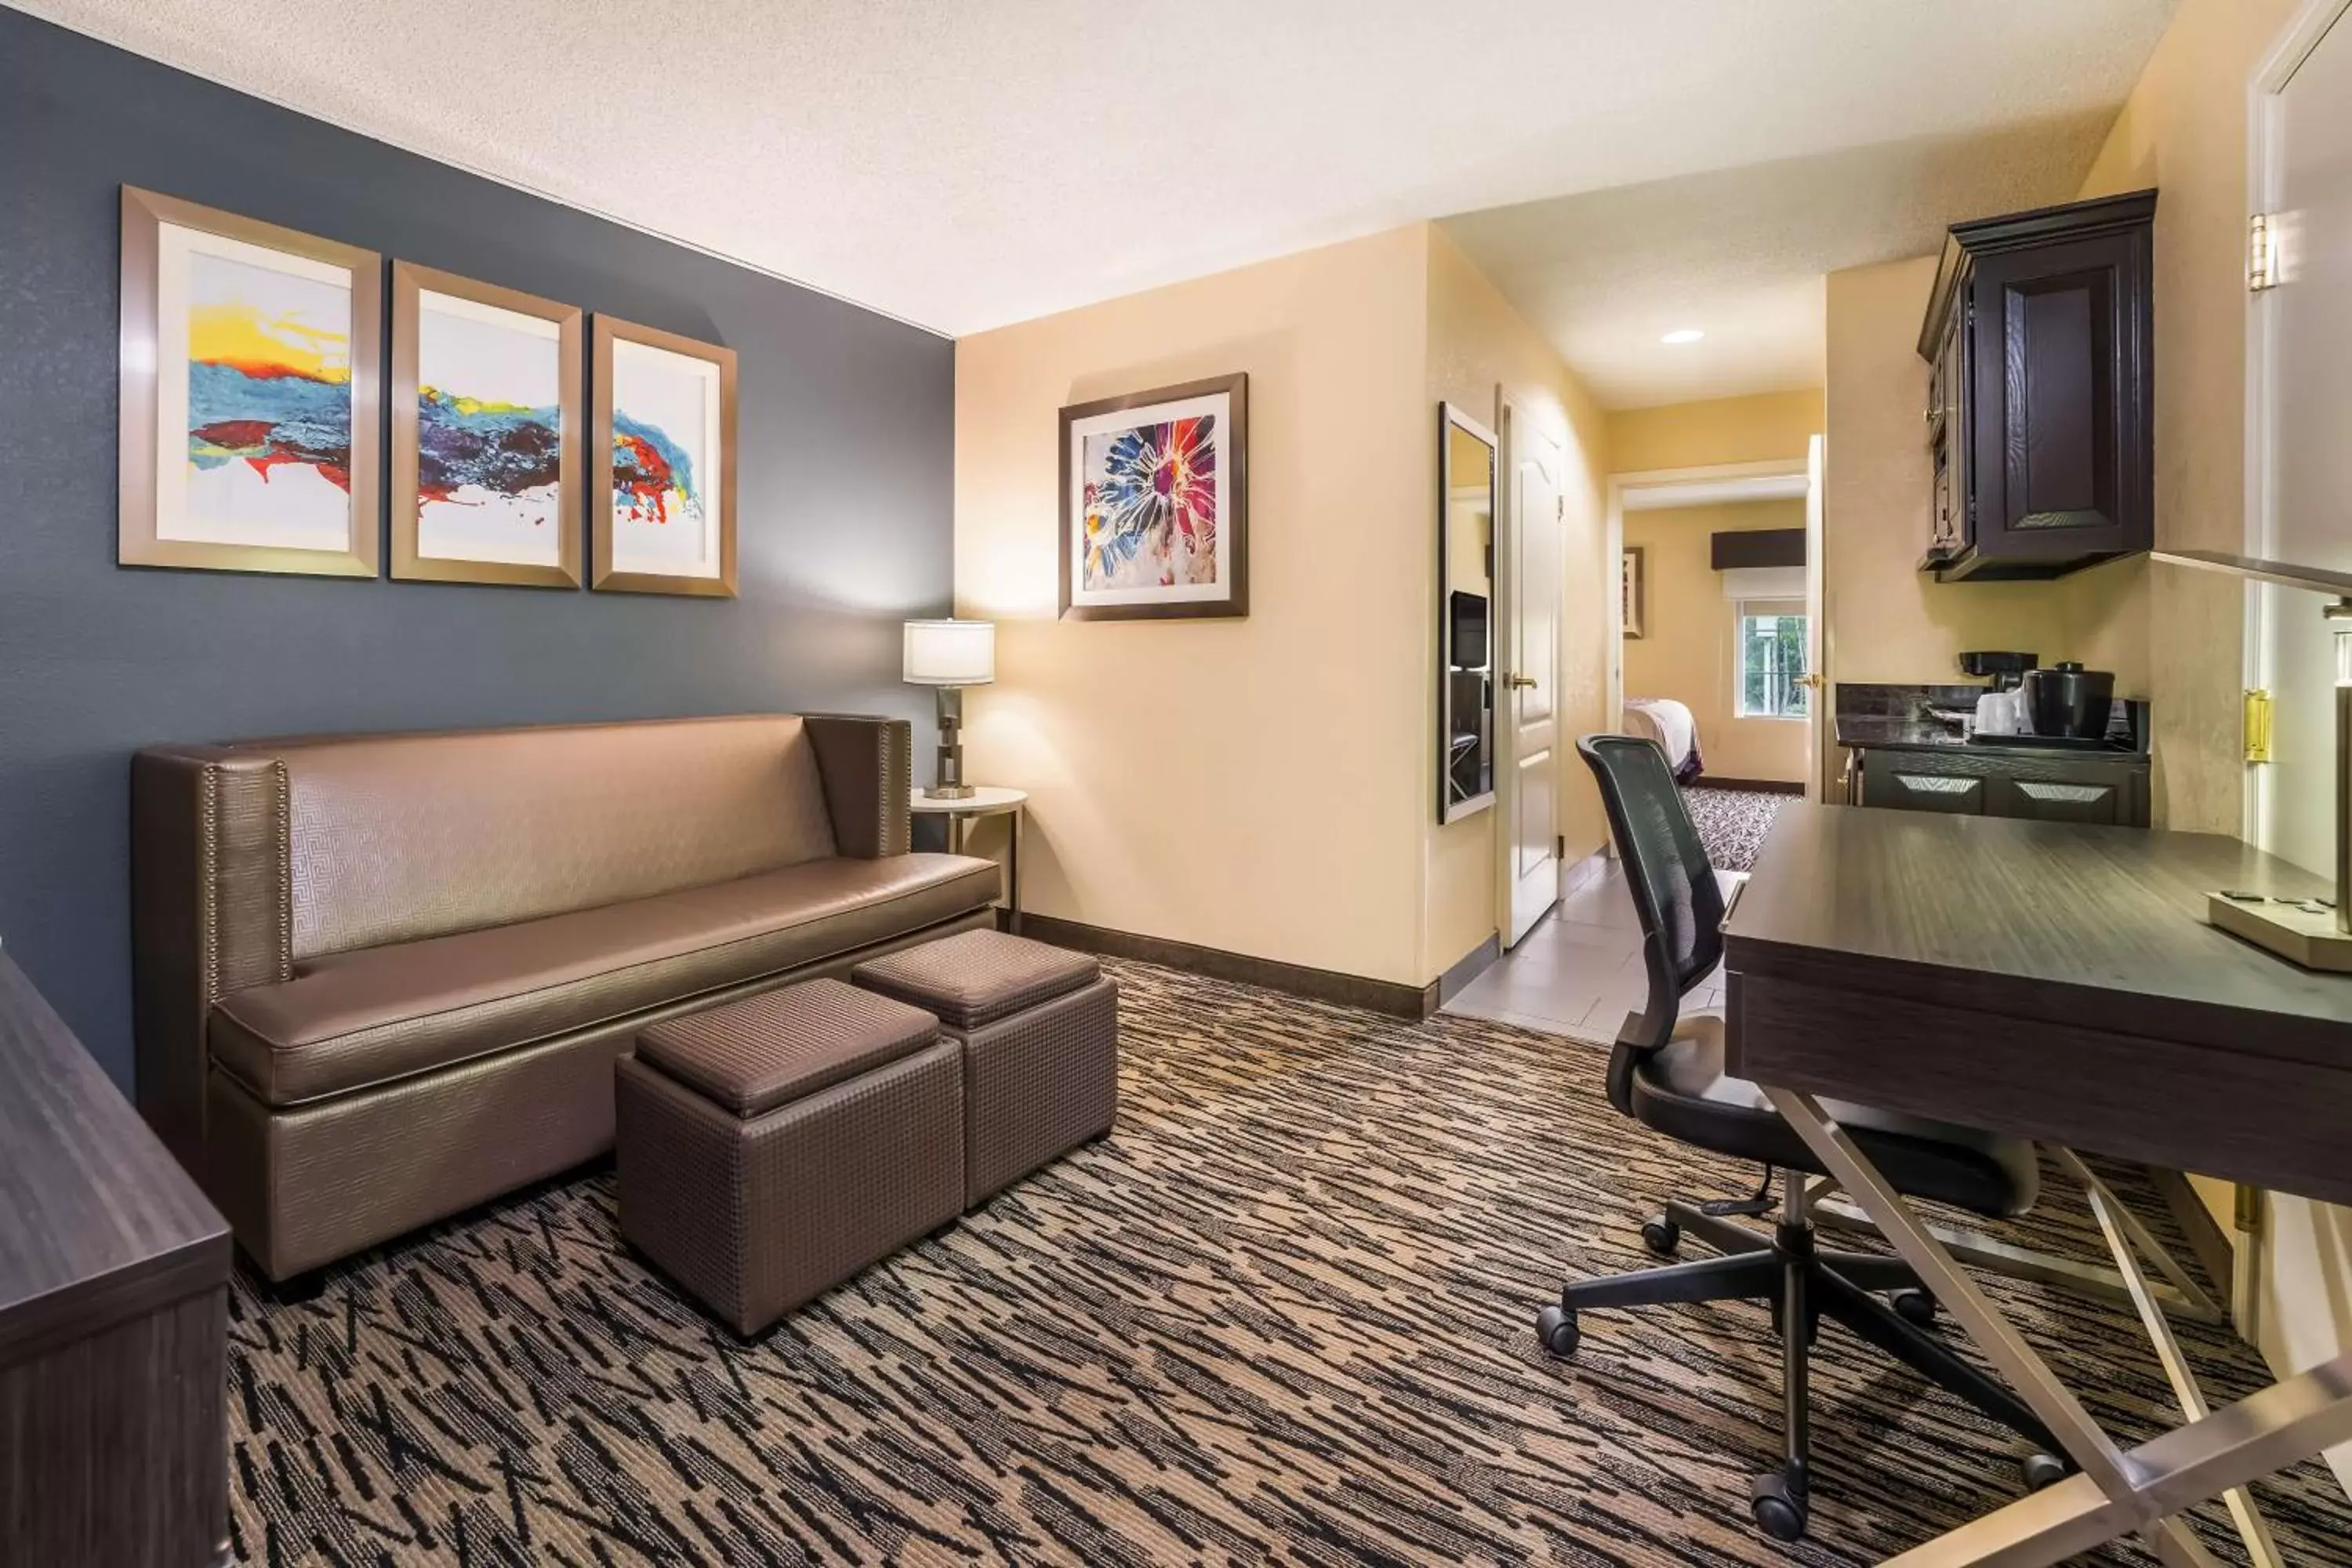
(2116, 1494)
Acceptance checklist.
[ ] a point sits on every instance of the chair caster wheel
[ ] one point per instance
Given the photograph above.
(1556, 1328)
(2042, 1470)
(1916, 1307)
(1777, 1507)
(1660, 1234)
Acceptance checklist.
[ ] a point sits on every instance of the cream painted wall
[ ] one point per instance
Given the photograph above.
(1477, 342)
(1726, 430)
(1266, 784)
(2184, 132)
(1257, 785)
(1693, 634)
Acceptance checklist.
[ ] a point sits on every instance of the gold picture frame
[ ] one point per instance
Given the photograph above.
(1633, 588)
(500, 514)
(644, 376)
(281, 430)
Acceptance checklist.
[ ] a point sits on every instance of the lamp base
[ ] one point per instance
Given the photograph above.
(2297, 933)
(949, 791)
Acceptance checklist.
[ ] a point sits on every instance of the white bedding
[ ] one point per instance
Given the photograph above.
(1666, 721)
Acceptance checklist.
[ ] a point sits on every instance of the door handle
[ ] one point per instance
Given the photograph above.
(1518, 682)
(1811, 683)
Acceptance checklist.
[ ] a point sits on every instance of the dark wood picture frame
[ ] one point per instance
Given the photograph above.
(1233, 495)
(137, 540)
(408, 281)
(609, 330)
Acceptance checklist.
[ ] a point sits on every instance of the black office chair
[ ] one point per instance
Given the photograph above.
(1667, 1073)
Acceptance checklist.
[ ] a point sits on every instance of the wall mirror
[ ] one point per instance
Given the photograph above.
(1465, 603)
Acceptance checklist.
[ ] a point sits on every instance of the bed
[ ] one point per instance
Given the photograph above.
(1669, 724)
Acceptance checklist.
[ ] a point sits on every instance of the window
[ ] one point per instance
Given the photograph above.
(1770, 661)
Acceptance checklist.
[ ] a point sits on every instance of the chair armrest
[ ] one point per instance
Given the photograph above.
(866, 766)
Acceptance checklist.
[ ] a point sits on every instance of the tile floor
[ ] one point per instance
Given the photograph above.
(1580, 971)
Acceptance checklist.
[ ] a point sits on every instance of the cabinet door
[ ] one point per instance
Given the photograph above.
(2060, 464)
(1888, 783)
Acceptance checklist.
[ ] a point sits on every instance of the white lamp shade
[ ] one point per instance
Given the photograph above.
(951, 653)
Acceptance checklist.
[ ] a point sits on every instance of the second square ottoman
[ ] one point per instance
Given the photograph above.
(1039, 1026)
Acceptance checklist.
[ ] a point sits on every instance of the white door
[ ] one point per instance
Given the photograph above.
(1818, 688)
(1533, 565)
(2304, 479)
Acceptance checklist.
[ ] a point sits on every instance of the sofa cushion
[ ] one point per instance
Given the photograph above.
(352, 1019)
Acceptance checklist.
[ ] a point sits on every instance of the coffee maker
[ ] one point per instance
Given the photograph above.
(2005, 670)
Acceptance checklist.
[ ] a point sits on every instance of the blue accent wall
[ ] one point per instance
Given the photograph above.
(847, 432)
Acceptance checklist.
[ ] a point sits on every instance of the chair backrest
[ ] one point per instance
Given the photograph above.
(1676, 895)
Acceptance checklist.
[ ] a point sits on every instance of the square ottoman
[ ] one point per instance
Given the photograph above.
(770, 1148)
(1039, 1028)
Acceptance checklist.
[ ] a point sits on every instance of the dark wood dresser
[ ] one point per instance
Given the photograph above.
(113, 1319)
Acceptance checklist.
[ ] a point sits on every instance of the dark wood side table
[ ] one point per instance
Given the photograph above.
(113, 1318)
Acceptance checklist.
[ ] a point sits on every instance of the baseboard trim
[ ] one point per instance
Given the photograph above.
(1389, 996)
(1749, 786)
(1466, 968)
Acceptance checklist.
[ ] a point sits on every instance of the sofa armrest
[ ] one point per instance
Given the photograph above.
(210, 913)
(866, 766)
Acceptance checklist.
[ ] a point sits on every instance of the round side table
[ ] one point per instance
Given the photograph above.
(985, 800)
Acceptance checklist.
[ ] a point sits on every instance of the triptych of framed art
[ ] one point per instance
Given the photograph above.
(252, 397)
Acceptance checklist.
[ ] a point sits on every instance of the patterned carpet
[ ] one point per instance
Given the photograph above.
(1282, 1314)
(1732, 823)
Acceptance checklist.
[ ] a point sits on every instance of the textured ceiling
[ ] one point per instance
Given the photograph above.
(1740, 253)
(965, 164)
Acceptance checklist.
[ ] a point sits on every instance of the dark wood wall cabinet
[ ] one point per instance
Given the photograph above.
(2108, 790)
(113, 1319)
(2042, 392)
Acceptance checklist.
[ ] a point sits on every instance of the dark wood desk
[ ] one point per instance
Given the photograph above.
(2056, 981)
(2049, 979)
(113, 1333)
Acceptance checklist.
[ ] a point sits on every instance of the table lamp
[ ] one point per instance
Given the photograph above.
(950, 656)
(2312, 932)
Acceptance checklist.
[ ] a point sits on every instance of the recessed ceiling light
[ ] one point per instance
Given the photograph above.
(1683, 335)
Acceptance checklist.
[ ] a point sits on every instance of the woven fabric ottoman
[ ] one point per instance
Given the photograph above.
(770, 1149)
(1039, 1028)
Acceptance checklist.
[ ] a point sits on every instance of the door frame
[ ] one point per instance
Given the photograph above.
(1655, 489)
(1509, 413)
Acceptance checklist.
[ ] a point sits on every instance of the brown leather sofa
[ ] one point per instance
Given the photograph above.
(382, 978)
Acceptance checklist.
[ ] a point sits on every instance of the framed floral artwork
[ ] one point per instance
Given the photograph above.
(663, 431)
(1633, 586)
(486, 433)
(1155, 499)
(251, 375)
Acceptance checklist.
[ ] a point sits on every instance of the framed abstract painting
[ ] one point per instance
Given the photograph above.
(1155, 496)
(251, 375)
(664, 434)
(486, 433)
